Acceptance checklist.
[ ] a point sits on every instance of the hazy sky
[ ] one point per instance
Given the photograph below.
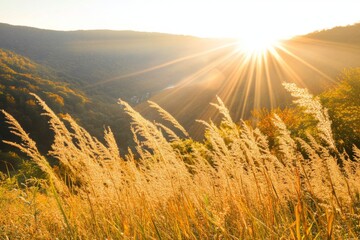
(206, 18)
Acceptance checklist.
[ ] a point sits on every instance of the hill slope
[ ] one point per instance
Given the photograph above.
(19, 76)
(100, 55)
(347, 35)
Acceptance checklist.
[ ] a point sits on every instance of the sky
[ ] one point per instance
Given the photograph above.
(278, 19)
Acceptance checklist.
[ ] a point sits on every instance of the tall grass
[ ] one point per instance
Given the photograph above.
(232, 186)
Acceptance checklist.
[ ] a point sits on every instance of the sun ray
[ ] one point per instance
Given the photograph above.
(245, 80)
(229, 90)
(269, 83)
(283, 66)
(248, 82)
(307, 64)
(160, 66)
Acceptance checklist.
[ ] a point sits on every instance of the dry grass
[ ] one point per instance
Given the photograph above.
(231, 187)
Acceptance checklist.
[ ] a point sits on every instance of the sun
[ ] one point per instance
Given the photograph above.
(256, 44)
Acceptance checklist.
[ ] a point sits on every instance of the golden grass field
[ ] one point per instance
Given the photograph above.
(231, 186)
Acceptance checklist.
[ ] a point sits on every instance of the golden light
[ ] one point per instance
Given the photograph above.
(257, 45)
(246, 74)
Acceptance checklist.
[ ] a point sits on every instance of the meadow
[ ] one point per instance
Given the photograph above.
(232, 185)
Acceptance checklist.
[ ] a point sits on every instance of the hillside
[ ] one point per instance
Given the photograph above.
(19, 76)
(346, 35)
(94, 57)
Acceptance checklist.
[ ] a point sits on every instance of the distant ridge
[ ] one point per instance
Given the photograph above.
(92, 30)
(343, 34)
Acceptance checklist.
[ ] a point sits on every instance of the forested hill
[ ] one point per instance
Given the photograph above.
(19, 76)
(345, 34)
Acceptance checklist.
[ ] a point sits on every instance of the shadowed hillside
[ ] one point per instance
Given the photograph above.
(20, 76)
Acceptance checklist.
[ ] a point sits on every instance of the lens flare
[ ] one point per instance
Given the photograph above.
(257, 45)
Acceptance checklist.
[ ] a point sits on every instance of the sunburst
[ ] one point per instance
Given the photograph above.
(257, 45)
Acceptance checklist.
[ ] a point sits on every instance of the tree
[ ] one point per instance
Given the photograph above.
(343, 102)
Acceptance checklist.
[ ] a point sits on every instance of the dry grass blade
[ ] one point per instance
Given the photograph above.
(168, 117)
(169, 132)
(225, 112)
(28, 146)
(356, 151)
(313, 106)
